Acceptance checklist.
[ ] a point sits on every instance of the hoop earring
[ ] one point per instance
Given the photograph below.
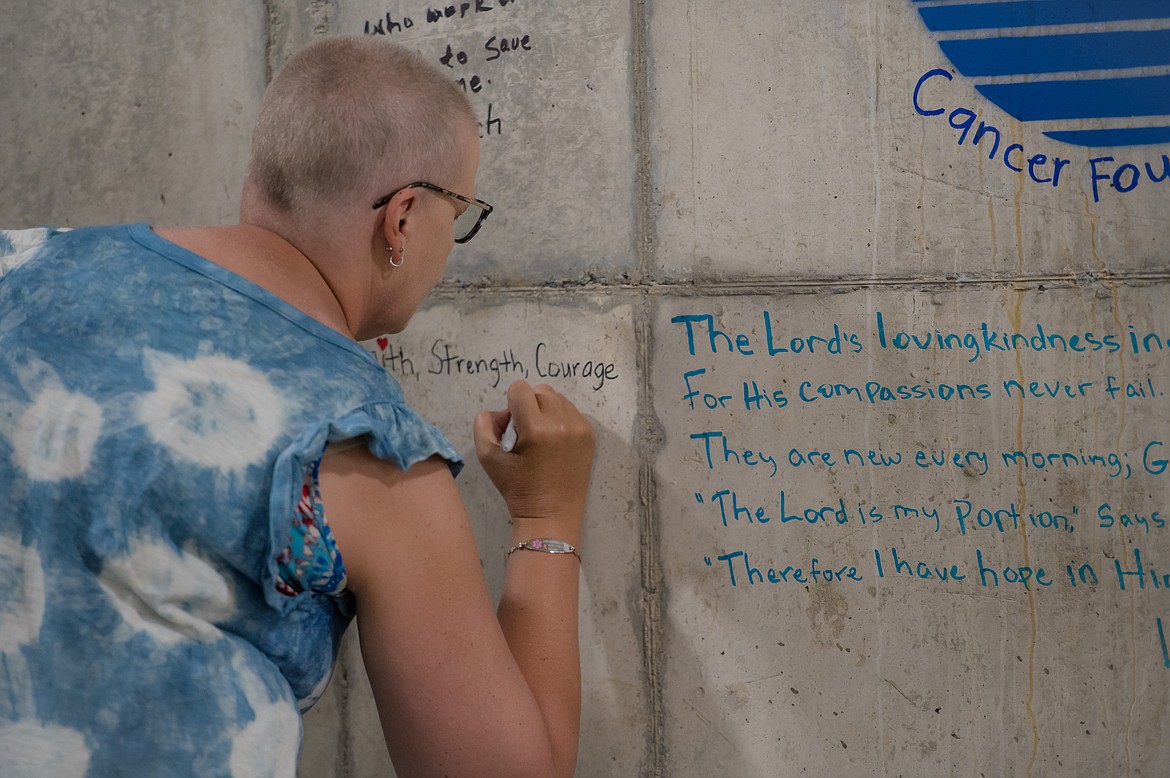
(401, 255)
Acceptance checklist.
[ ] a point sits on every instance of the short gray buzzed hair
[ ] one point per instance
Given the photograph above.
(350, 114)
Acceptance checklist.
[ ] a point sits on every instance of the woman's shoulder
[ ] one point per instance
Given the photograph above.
(267, 260)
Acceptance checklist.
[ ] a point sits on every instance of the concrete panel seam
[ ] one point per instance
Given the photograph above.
(701, 288)
(640, 73)
(649, 440)
(344, 760)
(272, 24)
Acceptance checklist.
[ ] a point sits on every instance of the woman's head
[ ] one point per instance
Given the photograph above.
(353, 115)
(347, 122)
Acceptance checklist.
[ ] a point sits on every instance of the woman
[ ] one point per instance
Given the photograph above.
(206, 476)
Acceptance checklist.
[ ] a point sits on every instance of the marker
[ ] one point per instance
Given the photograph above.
(508, 439)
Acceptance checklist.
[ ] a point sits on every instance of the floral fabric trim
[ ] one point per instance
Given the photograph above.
(311, 561)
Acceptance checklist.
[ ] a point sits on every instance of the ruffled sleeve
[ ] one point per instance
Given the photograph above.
(304, 561)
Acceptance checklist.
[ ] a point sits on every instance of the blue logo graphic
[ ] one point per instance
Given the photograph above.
(1049, 61)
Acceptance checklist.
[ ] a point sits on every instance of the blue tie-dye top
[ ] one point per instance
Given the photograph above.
(157, 417)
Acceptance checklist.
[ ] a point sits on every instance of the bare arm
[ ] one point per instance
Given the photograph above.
(462, 690)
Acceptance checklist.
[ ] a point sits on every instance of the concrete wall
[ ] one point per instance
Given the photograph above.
(835, 333)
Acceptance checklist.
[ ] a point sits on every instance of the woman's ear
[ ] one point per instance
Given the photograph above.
(399, 215)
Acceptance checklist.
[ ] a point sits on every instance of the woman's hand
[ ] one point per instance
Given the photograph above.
(546, 475)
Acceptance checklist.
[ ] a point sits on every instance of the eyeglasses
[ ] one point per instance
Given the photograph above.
(466, 223)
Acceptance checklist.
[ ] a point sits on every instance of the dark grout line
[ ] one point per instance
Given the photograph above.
(775, 285)
(647, 437)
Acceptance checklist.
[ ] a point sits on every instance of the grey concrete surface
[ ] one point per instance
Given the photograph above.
(127, 111)
(652, 160)
(899, 662)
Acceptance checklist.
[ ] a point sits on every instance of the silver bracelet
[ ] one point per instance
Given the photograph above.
(547, 545)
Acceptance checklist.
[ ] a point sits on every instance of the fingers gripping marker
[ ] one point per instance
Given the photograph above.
(508, 439)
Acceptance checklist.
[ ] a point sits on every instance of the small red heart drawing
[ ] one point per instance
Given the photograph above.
(383, 343)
